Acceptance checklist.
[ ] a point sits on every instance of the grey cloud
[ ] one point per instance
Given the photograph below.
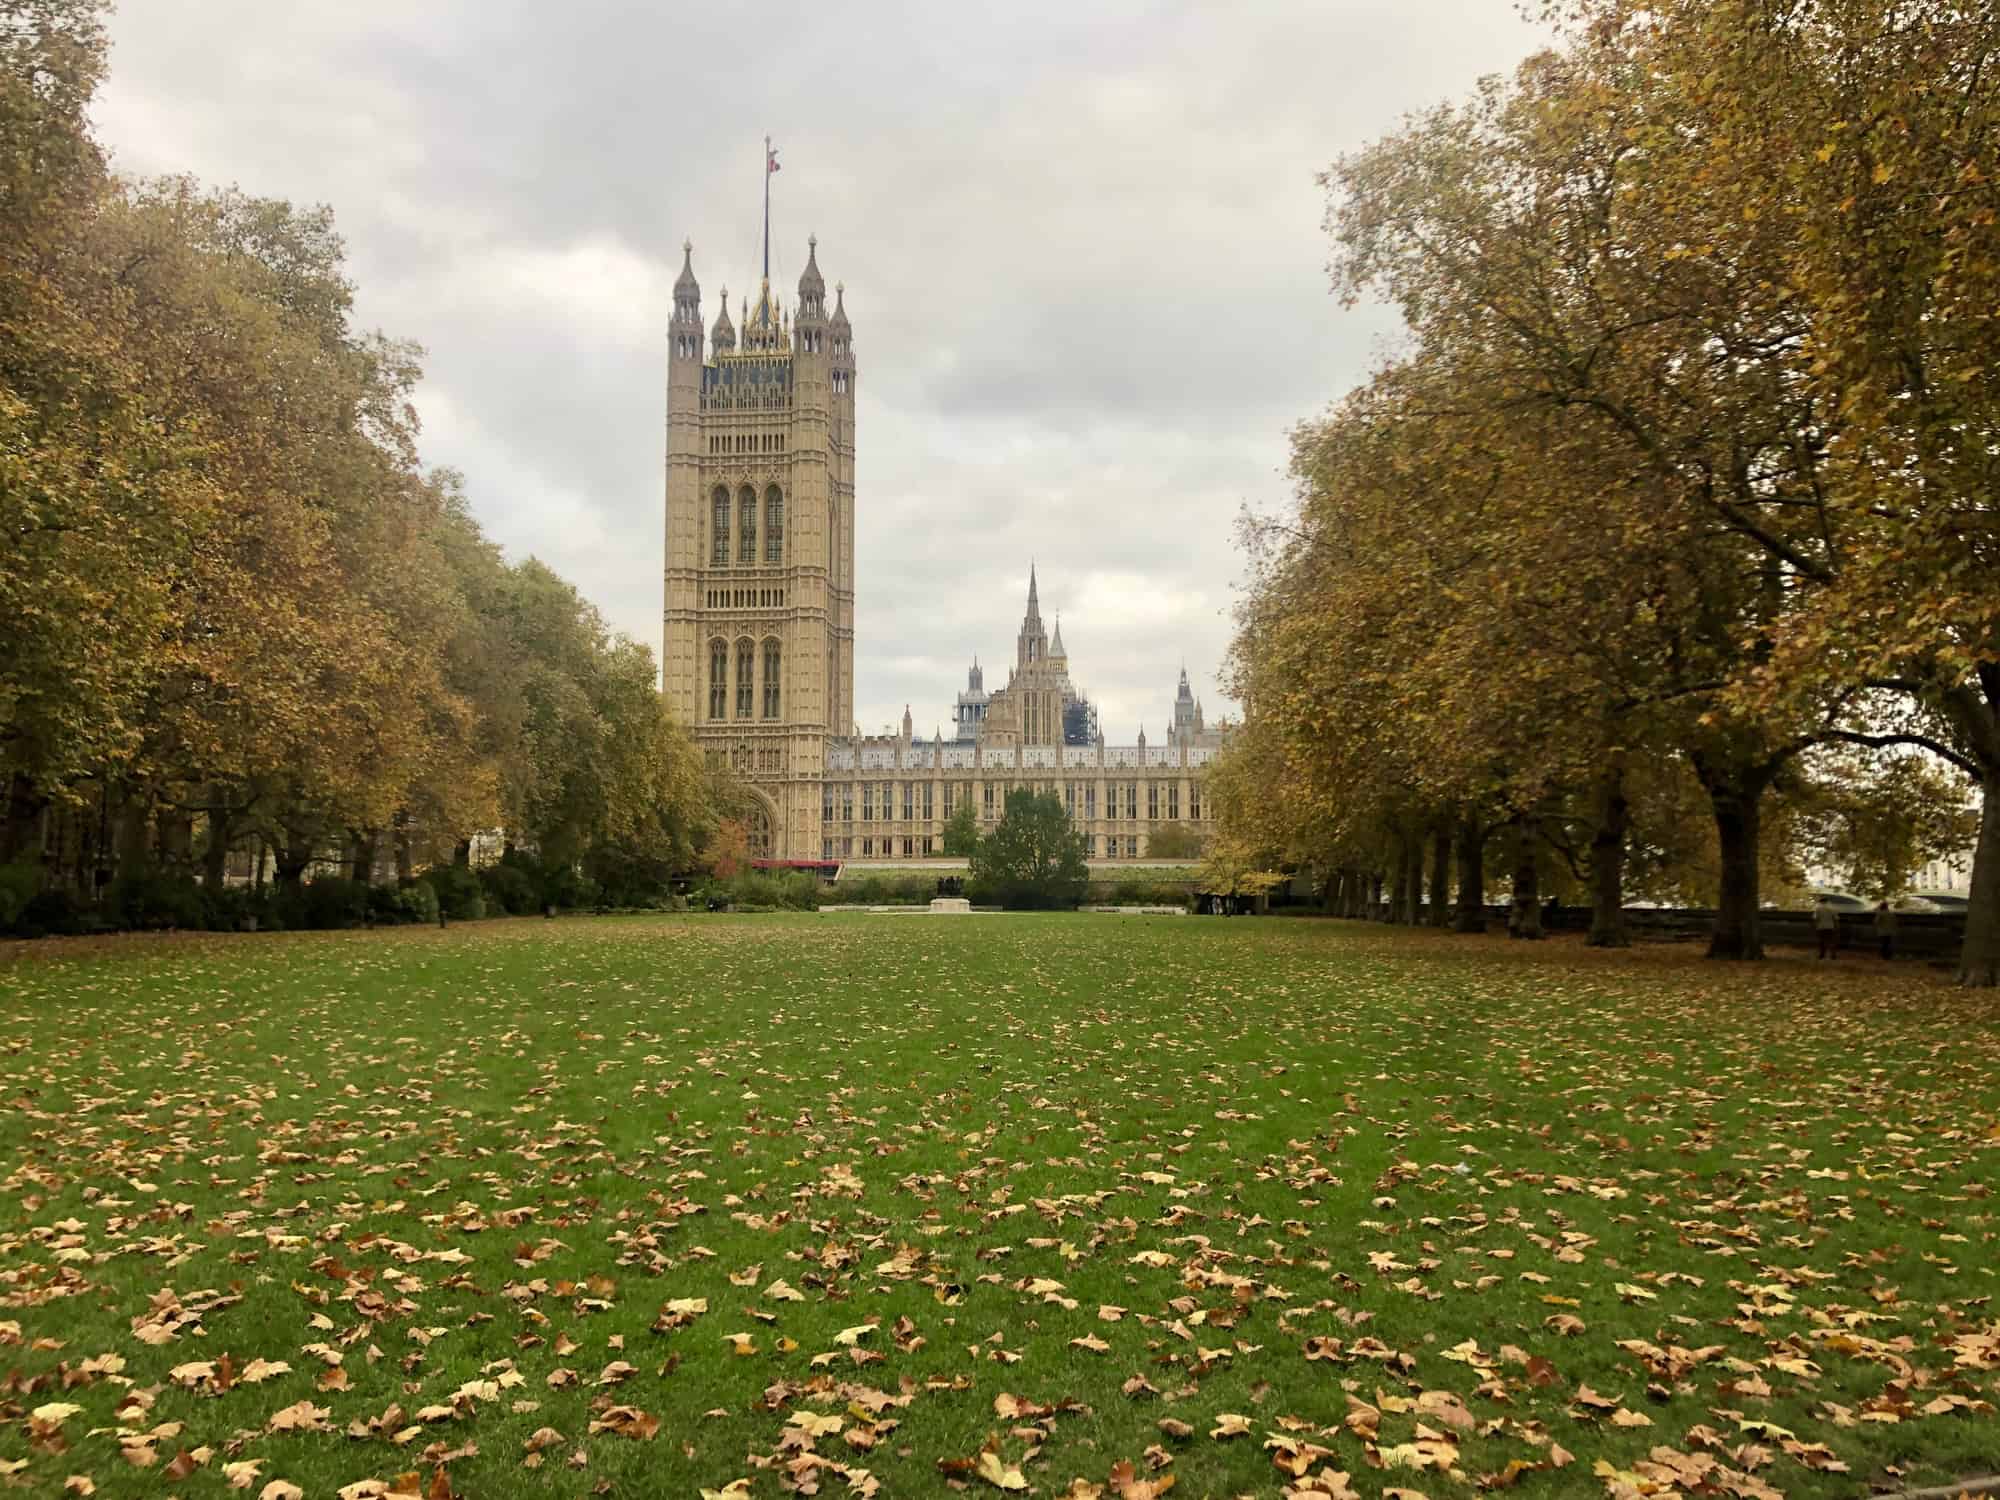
(1081, 244)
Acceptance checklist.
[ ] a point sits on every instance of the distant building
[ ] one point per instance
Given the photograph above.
(758, 649)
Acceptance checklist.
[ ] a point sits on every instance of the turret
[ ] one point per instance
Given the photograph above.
(840, 343)
(909, 727)
(684, 330)
(812, 302)
(723, 337)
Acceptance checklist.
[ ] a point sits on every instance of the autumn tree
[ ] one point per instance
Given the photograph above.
(1863, 134)
(239, 612)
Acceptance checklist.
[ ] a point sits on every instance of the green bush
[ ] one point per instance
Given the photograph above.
(19, 885)
(884, 890)
(1135, 891)
(758, 890)
(228, 909)
(570, 889)
(413, 901)
(52, 910)
(511, 887)
(622, 875)
(153, 899)
(458, 892)
(332, 902)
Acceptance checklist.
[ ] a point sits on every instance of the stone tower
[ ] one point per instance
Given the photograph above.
(758, 651)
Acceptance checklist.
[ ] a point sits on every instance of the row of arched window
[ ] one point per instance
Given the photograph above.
(746, 682)
(741, 516)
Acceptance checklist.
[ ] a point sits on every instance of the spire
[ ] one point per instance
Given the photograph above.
(1055, 642)
(724, 334)
(687, 283)
(812, 285)
(1034, 605)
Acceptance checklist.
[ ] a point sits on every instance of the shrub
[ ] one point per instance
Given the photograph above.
(510, 888)
(154, 899)
(51, 910)
(228, 909)
(884, 890)
(413, 901)
(1134, 891)
(757, 890)
(19, 885)
(458, 892)
(332, 902)
(570, 890)
(623, 876)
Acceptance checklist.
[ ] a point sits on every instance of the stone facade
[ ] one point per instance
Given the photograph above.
(758, 655)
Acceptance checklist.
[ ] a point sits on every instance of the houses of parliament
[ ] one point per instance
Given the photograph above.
(759, 627)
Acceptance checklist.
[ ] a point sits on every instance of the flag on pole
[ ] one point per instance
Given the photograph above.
(770, 160)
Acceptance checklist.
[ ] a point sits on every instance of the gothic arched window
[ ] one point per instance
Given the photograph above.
(774, 525)
(771, 679)
(746, 670)
(746, 521)
(718, 679)
(759, 831)
(719, 529)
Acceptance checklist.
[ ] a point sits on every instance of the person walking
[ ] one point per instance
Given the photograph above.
(1885, 929)
(1826, 922)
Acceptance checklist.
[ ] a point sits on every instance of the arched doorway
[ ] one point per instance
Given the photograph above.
(760, 831)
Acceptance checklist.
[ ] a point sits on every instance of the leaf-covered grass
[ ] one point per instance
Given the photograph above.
(827, 1203)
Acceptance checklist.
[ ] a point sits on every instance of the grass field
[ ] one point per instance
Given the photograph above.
(1056, 1205)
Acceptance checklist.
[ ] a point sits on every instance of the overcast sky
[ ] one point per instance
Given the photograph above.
(1082, 248)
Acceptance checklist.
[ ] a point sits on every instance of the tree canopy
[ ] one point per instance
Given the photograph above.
(1681, 475)
(1033, 859)
(239, 610)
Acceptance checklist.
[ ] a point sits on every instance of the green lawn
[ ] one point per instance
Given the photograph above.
(818, 1204)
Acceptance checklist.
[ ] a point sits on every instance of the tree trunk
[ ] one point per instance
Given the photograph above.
(361, 855)
(176, 838)
(1979, 959)
(1607, 862)
(1738, 928)
(1440, 911)
(1374, 895)
(132, 845)
(1399, 894)
(215, 857)
(1524, 916)
(294, 855)
(21, 821)
(1413, 856)
(1471, 876)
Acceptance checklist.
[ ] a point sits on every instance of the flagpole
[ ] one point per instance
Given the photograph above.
(767, 210)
